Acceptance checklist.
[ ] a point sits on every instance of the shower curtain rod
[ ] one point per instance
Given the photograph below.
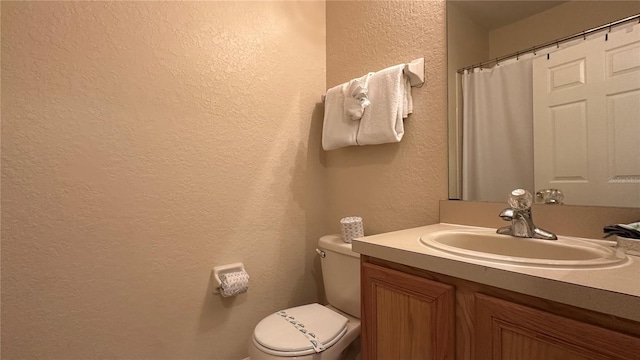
(556, 42)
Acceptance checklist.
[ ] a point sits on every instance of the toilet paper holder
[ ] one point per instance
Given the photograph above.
(223, 269)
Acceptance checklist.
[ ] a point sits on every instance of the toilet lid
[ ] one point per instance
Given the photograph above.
(292, 330)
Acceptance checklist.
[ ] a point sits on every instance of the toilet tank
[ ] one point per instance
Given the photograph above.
(341, 274)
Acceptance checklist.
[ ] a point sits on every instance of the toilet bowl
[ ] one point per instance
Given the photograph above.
(314, 331)
(274, 338)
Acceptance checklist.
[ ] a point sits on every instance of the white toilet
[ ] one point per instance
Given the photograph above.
(292, 333)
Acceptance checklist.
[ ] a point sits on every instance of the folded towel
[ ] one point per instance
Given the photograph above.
(356, 99)
(408, 99)
(631, 231)
(337, 130)
(390, 96)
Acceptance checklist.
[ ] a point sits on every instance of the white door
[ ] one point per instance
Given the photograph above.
(587, 120)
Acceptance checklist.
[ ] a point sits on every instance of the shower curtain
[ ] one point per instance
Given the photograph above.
(497, 148)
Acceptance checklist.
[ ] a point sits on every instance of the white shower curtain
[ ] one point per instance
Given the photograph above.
(497, 131)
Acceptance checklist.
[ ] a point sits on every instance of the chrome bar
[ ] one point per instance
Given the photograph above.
(557, 42)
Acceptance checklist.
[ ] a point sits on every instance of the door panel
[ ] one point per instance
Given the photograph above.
(587, 120)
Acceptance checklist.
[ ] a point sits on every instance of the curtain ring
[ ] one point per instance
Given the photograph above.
(584, 35)
(517, 56)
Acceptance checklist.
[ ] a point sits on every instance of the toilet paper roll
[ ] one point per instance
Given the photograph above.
(234, 283)
(351, 228)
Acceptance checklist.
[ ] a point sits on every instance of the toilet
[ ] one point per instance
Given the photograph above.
(314, 331)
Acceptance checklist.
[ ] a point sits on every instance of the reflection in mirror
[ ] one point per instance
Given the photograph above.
(569, 110)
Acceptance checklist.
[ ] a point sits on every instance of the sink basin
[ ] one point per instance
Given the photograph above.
(488, 246)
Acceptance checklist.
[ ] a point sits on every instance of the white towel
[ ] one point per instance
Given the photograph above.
(408, 99)
(356, 99)
(337, 129)
(390, 96)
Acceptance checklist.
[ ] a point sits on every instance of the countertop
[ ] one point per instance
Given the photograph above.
(613, 290)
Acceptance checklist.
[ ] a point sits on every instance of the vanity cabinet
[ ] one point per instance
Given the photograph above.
(410, 313)
(405, 316)
(506, 330)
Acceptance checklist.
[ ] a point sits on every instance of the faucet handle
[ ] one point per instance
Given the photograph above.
(550, 196)
(520, 199)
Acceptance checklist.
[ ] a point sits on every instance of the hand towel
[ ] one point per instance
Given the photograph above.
(356, 99)
(390, 103)
(408, 99)
(337, 129)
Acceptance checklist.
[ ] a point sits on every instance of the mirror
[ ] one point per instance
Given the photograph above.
(482, 30)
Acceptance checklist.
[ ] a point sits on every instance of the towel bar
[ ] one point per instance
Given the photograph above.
(414, 70)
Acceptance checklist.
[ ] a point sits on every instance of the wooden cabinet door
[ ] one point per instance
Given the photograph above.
(509, 331)
(405, 317)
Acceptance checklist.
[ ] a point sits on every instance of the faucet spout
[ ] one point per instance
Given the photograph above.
(521, 219)
(544, 234)
(507, 214)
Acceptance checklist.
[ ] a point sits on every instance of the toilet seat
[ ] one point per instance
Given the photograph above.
(290, 332)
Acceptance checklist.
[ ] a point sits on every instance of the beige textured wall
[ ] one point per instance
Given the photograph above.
(563, 20)
(392, 186)
(142, 144)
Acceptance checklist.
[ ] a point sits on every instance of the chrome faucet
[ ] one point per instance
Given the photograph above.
(521, 219)
(550, 196)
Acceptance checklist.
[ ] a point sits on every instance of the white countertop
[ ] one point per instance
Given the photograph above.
(613, 290)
